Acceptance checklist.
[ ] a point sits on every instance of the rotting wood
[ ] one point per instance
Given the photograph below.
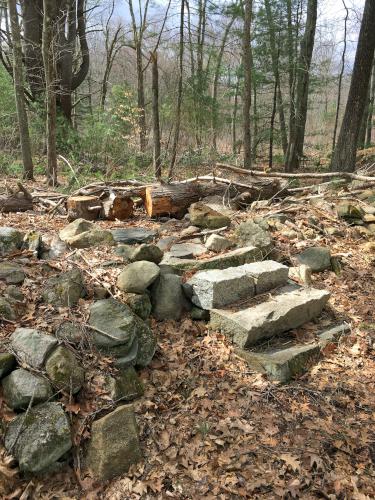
(83, 207)
(117, 207)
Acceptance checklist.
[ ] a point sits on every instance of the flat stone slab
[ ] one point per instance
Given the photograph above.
(133, 235)
(283, 312)
(267, 274)
(233, 258)
(32, 346)
(218, 288)
(187, 250)
(284, 364)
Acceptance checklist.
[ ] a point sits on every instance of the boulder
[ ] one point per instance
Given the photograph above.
(114, 444)
(187, 250)
(38, 438)
(64, 290)
(267, 275)
(199, 314)
(57, 248)
(7, 310)
(100, 292)
(167, 297)
(217, 243)
(31, 346)
(10, 240)
(14, 293)
(11, 273)
(64, 371)
(125, 385)
(7, 363)
(146, 346)
(251, 234)
(165, 243)
(75, 228)
(139, 304)
(33, 242)
(138, 276)
(316, 258)
(301, 274)
(70, 332)
(22, 388)
(351, 213)
(94, 238)
(133, 235)
(202, 215)
(218, 288)
(146, 251)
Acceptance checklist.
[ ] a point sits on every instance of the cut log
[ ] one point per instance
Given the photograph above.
(83, 207)
(117, 207)
(15, 203)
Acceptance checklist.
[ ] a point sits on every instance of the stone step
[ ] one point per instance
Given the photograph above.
(218, 288)
(284, 364)
(283, 312)
(233, 258)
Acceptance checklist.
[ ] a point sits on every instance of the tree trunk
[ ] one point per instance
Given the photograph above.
(141, 99)
(19, 90)
(179, 94)
(371, 110)
(363, 127)
(272, 127)
(155, 115)
(276, 74)
(50, 79)
(83, 207)
(246, 98)
(344, 156)
(297, 132)
(234, 117)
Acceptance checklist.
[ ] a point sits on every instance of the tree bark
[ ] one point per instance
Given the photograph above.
(371, 109)
(297, 130)
(49, 56)
(246, 97)
(344, 156)
(23, 123)
(155, 115)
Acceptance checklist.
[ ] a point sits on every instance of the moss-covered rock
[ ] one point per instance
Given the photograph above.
(11, 273)
(7, 363)
(139, 304)
(64, 290)
(10, 240)
(22, 388)
(125, 385)
(64, 371)
(202, 215)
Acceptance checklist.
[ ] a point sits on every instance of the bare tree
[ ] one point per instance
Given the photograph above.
(344, 155)
(246, 97)
(23, 123)
(155, 115)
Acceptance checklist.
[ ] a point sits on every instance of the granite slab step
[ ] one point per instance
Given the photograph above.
(283, 312)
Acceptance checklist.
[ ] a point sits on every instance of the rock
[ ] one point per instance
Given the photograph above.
(333, 334)
(288, 310)
(282, 364)
(94, 238)
(167, 297)
(70, 332)
(139, 304)
(351, 213)
(202, 215)
(38, 438)
(100, 292)
(317, 258)
(165, 243)
(216, 243)
(218, 288)
(124, 251)
(133, 235)
(12, 274)
(114, 444)
(189, 231)
(22, 388)
(125, 385)
(75, 228)
(267, 275)
(301, 274)
(149, 252)
(64, 371)
(7, 310)
(57, 248)
(233, 258)
(197, 313)
(334, 231)
(250, 234)
(10, 240)
(31, 346)
(138, 276)
(290, 234)
(118, 332)
(187, 250)
(64, 290)
(7, 363)
(14, 293)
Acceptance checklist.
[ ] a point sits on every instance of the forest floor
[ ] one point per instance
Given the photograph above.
(209, 427)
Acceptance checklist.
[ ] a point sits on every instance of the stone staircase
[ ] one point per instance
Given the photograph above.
(257, 307)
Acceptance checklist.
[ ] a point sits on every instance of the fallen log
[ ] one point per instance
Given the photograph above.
(297, 175)
(16, 201)
(83, 207)
(117, 207)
